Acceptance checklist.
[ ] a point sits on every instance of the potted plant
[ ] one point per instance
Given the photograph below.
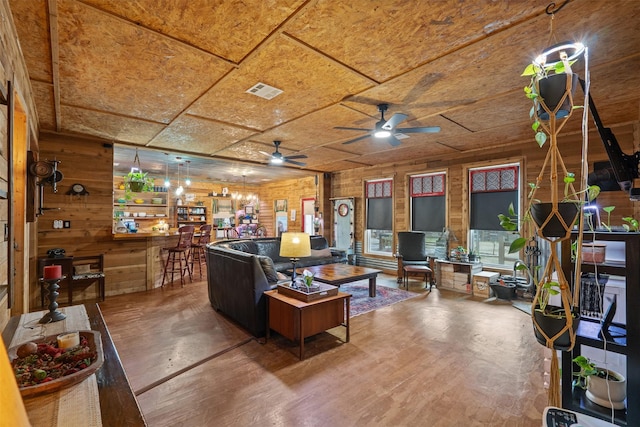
(603, 386)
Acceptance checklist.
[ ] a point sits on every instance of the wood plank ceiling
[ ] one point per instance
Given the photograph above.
(172, 75)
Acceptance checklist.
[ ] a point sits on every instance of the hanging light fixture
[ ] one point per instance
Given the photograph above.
(244, 198)
(180, 189)
(167, 183)
(187, 181)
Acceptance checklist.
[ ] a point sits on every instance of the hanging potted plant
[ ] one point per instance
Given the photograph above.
(136, 180)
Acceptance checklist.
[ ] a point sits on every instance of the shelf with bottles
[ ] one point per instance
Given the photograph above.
(191, 215)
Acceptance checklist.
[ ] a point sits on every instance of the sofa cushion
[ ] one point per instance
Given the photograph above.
(318, 242)
(270, 248)
(268, 268)
(320, 253)
(244, 246)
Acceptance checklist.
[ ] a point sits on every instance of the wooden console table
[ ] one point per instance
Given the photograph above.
(296, 320)
(118, 405)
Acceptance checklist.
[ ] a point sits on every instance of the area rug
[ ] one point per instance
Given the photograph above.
(362, 303)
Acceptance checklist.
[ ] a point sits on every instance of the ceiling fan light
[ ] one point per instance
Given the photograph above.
(382, 133)
(277, 160)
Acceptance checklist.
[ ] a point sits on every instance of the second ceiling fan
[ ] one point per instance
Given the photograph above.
(387, 130)
(277, 158)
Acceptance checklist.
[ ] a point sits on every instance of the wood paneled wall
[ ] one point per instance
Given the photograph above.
(351, 183)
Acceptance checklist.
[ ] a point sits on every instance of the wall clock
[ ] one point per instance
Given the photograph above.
(343, 209)
(78, 190)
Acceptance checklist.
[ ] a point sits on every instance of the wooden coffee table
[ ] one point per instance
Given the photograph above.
(339, 274)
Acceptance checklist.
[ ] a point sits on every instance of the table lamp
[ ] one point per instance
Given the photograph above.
(295, 246)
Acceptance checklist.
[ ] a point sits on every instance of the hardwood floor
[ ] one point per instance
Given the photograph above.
(440, 359)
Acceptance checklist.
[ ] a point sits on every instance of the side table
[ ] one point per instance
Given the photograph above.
(296, 320)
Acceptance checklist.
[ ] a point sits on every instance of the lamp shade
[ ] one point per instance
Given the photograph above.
(295, 245)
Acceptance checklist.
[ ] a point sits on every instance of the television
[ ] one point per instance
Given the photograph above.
(622, 167)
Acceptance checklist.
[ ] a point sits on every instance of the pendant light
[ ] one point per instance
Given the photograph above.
(187, 181)
(180, 189)
(167, 183)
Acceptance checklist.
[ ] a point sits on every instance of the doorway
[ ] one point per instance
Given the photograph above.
(308, 214)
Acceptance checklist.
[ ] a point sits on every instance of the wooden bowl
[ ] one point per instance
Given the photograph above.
(95, 344)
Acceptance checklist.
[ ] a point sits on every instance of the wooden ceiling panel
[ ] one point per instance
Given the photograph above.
(492, 113)
(43, 92)
(197, 135)
(314, 128)
(230, 29)
(322, 155)
(33, 32)
(340, 165)
(111, 65)
(108, 126)
(309, 81)
(385, 39)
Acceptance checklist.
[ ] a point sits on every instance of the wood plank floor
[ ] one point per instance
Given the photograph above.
(440, 359)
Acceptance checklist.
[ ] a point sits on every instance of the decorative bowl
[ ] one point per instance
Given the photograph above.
(142, 214)
(122, 200)
(156, 200)
(95, 345)
(138, 201)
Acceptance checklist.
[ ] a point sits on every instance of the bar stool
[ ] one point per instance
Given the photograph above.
(197, 248)
(179, 254)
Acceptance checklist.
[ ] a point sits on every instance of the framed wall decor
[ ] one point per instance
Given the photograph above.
(223, 206)
(281, 205)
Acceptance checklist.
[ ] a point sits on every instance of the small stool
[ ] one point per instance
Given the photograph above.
(408, 270)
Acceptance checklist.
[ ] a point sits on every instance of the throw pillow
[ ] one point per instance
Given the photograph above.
(321, 253)
(282, 276)
(269, 269)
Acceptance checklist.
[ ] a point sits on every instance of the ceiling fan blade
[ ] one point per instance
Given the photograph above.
(426, 129)
(293, 162)
(264, 154)
(394, 121)
(358, 129)
(356, 139)
(296, 156)
(393, 141)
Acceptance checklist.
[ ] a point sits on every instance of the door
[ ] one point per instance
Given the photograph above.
(343, 229)
(308, 215)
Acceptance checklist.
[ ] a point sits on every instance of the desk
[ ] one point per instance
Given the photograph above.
(118, 405)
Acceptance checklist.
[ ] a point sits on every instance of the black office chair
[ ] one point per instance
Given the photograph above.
(411, 252)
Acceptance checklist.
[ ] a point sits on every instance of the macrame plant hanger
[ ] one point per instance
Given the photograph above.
(552, 168)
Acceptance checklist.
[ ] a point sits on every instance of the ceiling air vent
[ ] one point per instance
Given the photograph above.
(264, 91)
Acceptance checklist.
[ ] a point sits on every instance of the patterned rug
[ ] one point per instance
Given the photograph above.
(362, 303)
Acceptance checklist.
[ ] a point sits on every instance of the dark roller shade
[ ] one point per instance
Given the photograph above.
(428, 213)
(380, 214)
(485, 208)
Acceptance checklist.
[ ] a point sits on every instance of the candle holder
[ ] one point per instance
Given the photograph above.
(53, 315)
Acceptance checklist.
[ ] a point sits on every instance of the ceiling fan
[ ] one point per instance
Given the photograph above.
(276, 158)
(386, 129)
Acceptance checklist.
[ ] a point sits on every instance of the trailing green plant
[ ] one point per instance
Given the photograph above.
(138, 177)
(608, 210)
(631, 223)
(587, 368)
(536, 73)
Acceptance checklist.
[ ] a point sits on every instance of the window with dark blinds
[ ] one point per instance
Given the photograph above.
(428, 202)
(379, 205)
(492, 190)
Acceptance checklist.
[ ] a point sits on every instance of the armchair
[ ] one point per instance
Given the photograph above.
(411, 251)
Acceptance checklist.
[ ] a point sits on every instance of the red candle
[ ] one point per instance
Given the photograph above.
(52, 271)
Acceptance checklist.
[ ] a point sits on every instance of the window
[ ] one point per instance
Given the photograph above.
(492, 189)
(379, 229)
(428, 207)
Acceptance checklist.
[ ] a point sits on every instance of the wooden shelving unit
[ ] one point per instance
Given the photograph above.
(190, 215)
(588, 333)
(154, 212)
